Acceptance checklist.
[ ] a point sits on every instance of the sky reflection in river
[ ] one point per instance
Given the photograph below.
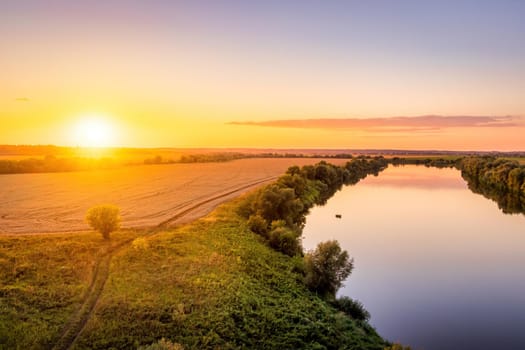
(438, 266)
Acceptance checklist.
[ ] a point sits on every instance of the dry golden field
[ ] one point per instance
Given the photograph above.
(147, 194)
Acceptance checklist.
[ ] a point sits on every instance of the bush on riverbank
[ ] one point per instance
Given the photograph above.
(352, 308)
(496, 173)
(326, 268)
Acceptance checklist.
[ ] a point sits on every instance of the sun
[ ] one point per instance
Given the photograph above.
(94, 131)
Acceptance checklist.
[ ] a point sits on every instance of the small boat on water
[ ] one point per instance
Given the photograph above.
(339, 216)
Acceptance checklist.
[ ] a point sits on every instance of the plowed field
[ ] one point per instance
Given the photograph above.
(147, 195)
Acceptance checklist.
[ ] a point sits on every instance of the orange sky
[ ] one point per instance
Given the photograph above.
(196, 75)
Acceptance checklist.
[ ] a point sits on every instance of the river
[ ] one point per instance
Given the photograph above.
(437, 266)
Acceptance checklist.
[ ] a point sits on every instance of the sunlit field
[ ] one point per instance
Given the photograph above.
(148, 195)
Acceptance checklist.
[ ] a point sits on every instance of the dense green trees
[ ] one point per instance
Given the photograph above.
(277, 213)
(326, 268)
(501, 174)
(501, 180)
(285, 240)
(288, 200)
(428, 162)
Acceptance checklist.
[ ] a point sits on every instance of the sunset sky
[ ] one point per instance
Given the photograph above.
(319, 74)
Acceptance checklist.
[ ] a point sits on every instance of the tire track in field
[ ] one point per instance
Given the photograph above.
(214, 198)
(78, 322)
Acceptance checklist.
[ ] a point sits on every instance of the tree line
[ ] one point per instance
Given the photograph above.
(428, 162)
(52, 164)
(228, 156)
(502, 180)
(277, 213)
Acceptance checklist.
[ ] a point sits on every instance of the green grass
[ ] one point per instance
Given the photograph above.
(214, 284)
(211, 284)
(43, 279)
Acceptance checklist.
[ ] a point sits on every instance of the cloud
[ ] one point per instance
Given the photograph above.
(21, 99)
(426, 123)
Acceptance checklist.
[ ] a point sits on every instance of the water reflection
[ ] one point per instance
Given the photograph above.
(508, 202)
(437, 266)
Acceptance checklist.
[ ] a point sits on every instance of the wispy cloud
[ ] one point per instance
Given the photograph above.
(426, 123)
(22, 99)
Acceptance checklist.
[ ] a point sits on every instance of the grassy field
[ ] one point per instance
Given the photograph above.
(44, 279)
(208, 284)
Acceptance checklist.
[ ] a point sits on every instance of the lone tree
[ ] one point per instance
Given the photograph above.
(104, 219)
(327, 267)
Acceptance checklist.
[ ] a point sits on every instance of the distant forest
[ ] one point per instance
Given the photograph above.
(52, 164)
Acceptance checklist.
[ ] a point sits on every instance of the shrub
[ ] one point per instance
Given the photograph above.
(327, 267)
(277, 224)
(258, 225)
(245, 208)
(352, 308)
(275, 202)
(398, 347)
(298, 267)
(285, 241)
(162, 344)
(104, 219)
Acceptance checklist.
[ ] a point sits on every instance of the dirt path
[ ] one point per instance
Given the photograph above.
(221, 197)
(77, 323)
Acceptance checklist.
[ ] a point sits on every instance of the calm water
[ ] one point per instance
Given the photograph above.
(437, 266)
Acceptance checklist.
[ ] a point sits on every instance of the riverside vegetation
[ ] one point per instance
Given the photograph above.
(501, 180)
(209, 284)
